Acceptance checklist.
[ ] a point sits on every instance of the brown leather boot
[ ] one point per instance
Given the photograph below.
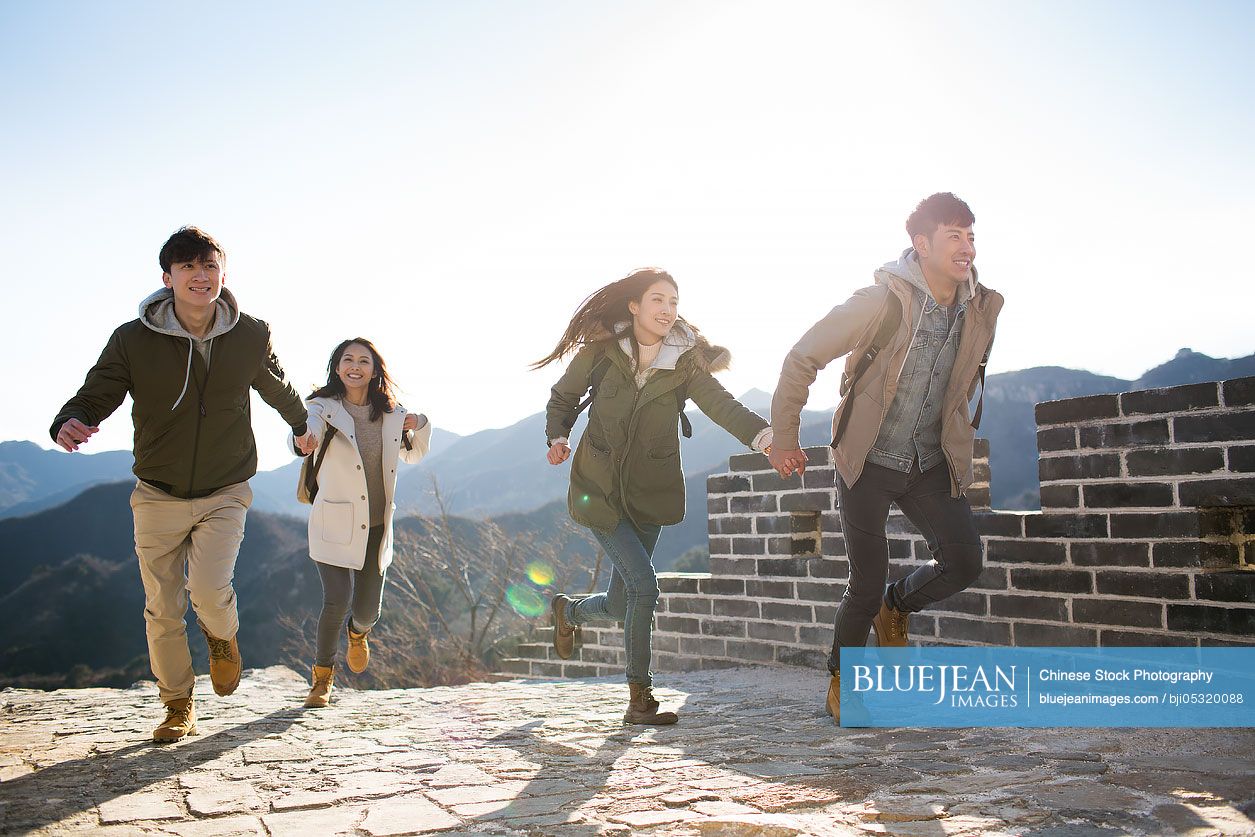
(891, 626)
(180, 721)
(358, 655)
(643, 709)
(225, 665)
(834, 698)
(320, 694)
(563, 631)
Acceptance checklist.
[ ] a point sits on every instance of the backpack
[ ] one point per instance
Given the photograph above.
(599, 372)
(888, 325)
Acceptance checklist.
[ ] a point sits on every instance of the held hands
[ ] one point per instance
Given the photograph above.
(307, 444)
(787, 462)
(410, 423)
(558, 453)
(74, 433)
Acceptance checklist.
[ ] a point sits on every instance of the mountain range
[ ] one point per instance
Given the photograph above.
(71, 599)
(501, 471)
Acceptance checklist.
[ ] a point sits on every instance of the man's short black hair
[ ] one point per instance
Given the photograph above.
(189, 244)
(941, 209)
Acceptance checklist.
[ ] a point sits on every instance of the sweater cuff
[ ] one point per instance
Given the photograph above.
(300, 430)
(786, 441)
(763, 440)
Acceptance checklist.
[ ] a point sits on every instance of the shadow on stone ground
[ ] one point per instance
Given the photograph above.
(752, 755)
(64, 789)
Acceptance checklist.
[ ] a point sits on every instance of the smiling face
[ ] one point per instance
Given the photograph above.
(654, 315)
(948, 253)
(355, 369)
(197, 283)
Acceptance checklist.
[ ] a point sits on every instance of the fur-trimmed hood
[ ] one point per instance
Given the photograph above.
(681, 340)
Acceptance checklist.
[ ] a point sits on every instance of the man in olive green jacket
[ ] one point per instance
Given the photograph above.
(188, 363)
(902, 433)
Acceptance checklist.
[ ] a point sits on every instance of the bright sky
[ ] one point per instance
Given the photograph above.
(452, 179)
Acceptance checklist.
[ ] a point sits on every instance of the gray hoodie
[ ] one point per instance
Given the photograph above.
(157, 313)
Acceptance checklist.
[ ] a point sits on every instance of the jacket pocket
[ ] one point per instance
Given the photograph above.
(337, 522)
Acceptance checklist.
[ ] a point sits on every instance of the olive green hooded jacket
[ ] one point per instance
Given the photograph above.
(627, 464)
(193, 426)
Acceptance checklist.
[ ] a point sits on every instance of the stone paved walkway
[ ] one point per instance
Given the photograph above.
(753, 755)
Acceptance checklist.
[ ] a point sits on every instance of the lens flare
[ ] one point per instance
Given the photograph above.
(540, 573)
(524, 600)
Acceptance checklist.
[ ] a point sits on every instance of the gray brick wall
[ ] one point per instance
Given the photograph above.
(1146, 537)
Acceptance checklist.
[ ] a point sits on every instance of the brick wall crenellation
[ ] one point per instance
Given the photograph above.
(1146, 536)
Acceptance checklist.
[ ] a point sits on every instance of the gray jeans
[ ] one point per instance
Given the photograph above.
(631, 595)
(944, 521)
(342, 588)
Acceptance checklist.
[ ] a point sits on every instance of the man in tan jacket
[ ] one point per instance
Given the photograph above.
(917, 342)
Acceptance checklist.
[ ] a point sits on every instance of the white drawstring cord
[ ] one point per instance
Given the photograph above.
(187, 377)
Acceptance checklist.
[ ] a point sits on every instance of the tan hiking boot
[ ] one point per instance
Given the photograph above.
(891, 626)
(358, 655)
(834, 698)
(320, 695)
(563, 631)
(180, 721)
(225, 665)
(643, 709)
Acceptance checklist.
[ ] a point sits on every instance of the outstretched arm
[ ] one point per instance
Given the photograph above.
(830, 338)
(566, 394)
(418, 433)
(271, 383)
(102, 392)
(724, 410)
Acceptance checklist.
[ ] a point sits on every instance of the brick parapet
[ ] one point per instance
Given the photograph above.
(1146, 537)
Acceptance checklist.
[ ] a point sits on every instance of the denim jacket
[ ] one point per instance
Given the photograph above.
(912, 426)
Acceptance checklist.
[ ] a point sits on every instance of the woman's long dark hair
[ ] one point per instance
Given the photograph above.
(598, 315)
(381, 394)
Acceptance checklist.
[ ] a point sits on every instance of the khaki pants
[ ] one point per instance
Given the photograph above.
(186, 547)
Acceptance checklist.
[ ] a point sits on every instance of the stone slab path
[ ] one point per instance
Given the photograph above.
(753, 755)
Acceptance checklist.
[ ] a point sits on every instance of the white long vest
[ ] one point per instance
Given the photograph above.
(339, 520)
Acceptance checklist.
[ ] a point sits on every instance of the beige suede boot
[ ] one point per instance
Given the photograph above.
(358, 655)
(225, 664)
(180, 721)
(320, 694)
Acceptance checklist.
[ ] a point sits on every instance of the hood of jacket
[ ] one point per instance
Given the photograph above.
(157, 312)
(907, 268)
(681, 340)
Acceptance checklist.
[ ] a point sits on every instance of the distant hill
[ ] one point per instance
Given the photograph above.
(32, 478)
(1012, 430)
(73, 598)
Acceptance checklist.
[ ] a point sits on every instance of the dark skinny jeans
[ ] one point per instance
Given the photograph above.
(342, 588)
(944, 521)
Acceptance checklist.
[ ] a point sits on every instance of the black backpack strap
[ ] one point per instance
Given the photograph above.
(980, 404)
(681, 399)
(888, 326)
(311, 476)
(594, 380)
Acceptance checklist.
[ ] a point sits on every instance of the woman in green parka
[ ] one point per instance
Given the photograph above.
(640, 361)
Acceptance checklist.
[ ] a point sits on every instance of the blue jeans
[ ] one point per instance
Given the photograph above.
(631, 595)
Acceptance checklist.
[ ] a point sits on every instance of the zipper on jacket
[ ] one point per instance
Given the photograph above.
(626, 450)
(200, 414)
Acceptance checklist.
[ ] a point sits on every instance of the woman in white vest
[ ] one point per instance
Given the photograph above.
(365, 432)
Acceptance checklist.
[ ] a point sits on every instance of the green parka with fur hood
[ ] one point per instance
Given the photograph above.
(627, 463)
